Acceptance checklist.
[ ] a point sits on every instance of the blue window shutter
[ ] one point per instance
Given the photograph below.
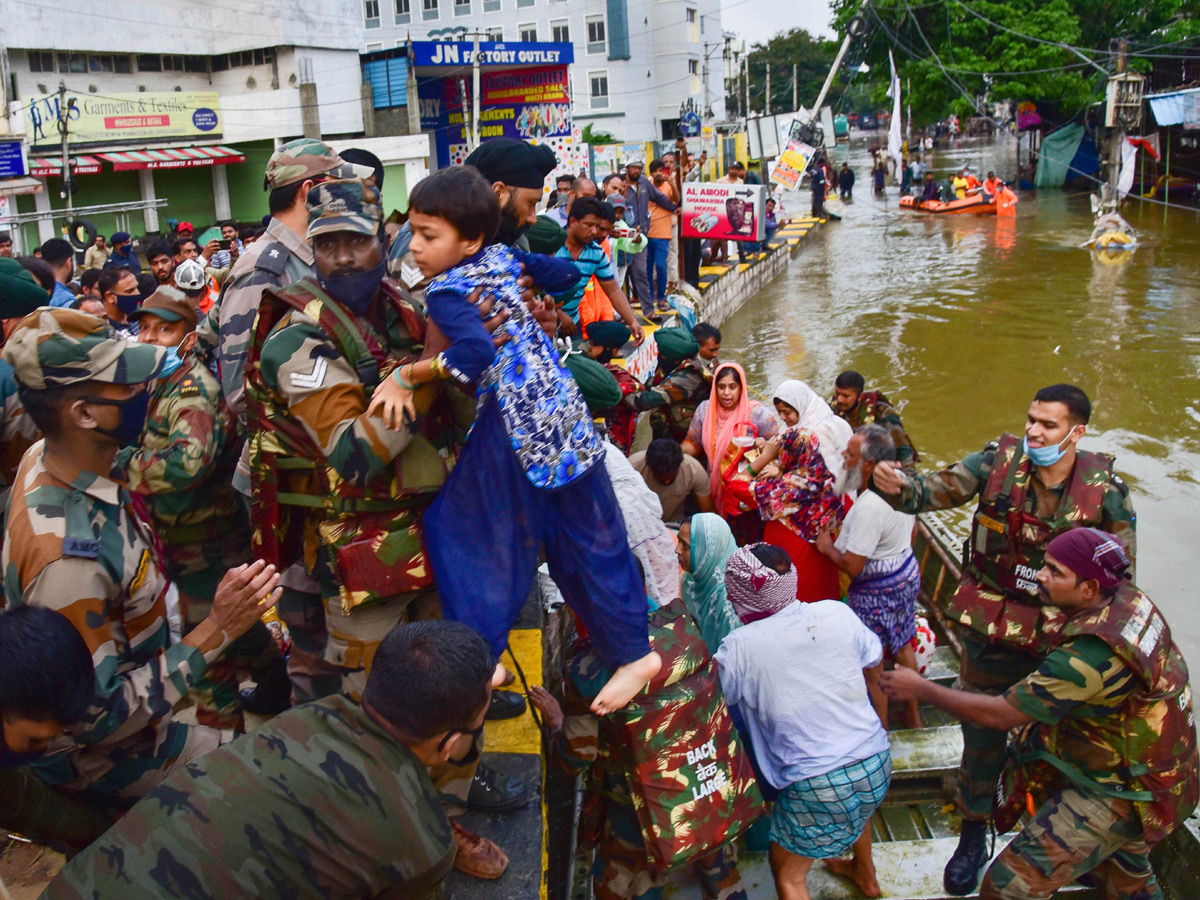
(618, 29)
(389, 81)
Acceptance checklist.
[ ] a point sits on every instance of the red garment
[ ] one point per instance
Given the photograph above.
(818, 576)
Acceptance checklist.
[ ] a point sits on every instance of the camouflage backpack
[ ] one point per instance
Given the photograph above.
(372, 532)
(679, 752)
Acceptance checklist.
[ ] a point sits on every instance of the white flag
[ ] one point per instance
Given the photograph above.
(894, 139)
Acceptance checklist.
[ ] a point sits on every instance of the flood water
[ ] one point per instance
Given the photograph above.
(959, 320)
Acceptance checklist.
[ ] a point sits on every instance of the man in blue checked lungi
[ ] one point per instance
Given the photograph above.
(874, 548)
(793, 673)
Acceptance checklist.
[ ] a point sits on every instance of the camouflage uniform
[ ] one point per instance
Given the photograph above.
(183, 468)
(674, 399)
(1111, 756)
(277, 259)
(1003, 628)
(73, 545)
(873, 408)
(17, 431)
(319, 802)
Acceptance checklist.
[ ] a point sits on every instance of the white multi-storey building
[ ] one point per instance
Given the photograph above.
(636, 61)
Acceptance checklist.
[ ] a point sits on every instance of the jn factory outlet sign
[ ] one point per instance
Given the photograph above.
(125, 118)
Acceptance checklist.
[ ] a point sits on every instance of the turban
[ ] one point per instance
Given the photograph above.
(514, 162)
(755, 589)
(675, 345)
(1091, 554)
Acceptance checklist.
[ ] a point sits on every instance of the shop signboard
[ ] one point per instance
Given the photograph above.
(791, 164)
(94, 120)
(12, 160)
(724, 212)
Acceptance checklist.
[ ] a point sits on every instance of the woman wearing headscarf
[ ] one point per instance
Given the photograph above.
(705, 545)
(726, 414)
(793, 486)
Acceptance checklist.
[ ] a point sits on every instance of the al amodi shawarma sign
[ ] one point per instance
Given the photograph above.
(96, 120)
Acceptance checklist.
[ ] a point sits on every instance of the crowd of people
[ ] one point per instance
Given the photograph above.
(375, 437)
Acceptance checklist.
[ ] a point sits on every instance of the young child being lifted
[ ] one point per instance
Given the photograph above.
(532, 472)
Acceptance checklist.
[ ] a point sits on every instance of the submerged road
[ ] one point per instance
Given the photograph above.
(959, 320)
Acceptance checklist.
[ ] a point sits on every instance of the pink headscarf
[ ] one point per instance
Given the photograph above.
(755, 589)
(719, 426)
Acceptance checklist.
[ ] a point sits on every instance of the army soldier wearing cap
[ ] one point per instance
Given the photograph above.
(1107, 746)
(280, 257)
(182, 466)
(335, 486)
(73, 545)
(1029, 491)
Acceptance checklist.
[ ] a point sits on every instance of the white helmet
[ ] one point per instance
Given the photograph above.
(189, 276)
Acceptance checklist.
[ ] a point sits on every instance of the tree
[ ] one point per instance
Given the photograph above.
(812, 56)
(596, 137)
(956, 55)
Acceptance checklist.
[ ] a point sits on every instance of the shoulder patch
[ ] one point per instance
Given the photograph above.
(81, 548)
(189, 387)
(274, 258)
(1119, 483)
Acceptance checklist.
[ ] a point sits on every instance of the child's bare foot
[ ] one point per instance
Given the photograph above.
(625, 684)
(863, 878)
(501, 677)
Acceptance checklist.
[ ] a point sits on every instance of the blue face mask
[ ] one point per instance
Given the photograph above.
(1046, 456)
(171, 362)
(128, 303)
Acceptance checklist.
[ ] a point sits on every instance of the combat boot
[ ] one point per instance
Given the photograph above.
(962, 872)
(272, 691)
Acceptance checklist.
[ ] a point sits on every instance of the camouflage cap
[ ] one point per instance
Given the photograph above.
(344, 205)
(53, 347)
(309, 158)
(169, 304)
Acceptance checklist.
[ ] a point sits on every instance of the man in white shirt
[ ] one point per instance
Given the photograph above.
(875, 549)
(794, 675)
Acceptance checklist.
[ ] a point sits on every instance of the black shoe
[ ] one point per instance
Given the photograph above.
(271, 694)
(962, 872)
(494, 792)
(505, 705)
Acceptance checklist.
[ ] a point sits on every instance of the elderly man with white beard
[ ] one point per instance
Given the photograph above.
(875, 549)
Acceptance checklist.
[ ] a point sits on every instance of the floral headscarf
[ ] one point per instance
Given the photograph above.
(756, 590)
(833, 433)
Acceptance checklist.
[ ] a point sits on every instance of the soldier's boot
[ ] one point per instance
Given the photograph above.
(962, 872)
(494, 792)
(477, 856)
(505, 705)
(272, 691)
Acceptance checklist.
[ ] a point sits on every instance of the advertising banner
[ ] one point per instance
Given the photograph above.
(125, 118)
(724, 212)
(791, 164)
(12, 159)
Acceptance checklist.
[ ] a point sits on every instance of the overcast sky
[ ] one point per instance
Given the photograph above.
(757, 21)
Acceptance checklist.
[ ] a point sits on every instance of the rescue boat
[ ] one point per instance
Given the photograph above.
(1003, 204)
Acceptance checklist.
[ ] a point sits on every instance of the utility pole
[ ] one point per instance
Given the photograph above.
(795, 86)
(1110, 200)
(746, 85)
(475, 94)
(767, 102)
(63, 119)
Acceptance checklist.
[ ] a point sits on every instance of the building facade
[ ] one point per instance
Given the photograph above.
(637, 62)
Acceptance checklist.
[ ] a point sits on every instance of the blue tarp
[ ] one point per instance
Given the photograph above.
(1178, 108)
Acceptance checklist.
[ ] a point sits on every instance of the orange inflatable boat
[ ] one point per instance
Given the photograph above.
(1004, 204)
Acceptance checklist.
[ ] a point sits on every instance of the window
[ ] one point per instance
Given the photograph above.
(100, 63)
(693, 25)
(429, 9)
(491, 5)
(694, 73)
(41, 61)
(403, 12)
(522, 4)
(560, 31)
(371, 48)
(495, 33)
(195, 64)
(121, 64)
(528, 33)
(595, 35)
(149, 63)
(371, 13)
(599, 89)
(462, 7)
(72, 62)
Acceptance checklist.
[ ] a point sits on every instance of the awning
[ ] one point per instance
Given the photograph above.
(40, 167)
(20, 185)
(1176, 108)
(174, 158)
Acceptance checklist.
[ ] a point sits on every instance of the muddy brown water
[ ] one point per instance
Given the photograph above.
(959, 320)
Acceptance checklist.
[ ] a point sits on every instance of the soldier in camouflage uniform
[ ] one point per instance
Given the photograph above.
(181, 468)
(328, 800)
(281, 256)
(684, 379)
(1028, 492)
(1106, 759)
(72, 545)
(859, 407)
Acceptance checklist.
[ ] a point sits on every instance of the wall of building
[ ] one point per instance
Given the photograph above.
(247, 199)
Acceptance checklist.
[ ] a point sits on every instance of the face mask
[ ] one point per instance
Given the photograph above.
(471, 755)
(133, 417)
(171, 363)
(356, 291)
(1046, 456)
(128, 303)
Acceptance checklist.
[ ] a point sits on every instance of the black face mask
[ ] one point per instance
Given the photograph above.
(133, 417)
(471, 755)
(128, 303)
